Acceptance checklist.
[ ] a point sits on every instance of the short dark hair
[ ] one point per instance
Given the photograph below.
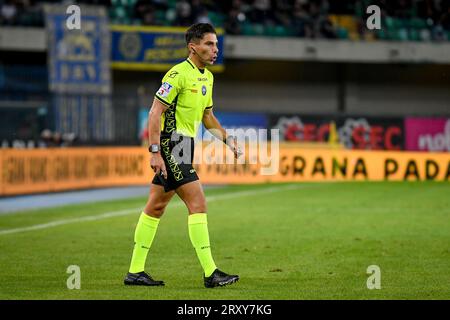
(197, 31)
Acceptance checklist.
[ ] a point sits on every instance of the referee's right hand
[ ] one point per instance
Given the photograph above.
(158, 165)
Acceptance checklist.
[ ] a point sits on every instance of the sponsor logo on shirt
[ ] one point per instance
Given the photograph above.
(173, 74)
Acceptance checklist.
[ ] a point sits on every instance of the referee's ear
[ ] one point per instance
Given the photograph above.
(191, 48)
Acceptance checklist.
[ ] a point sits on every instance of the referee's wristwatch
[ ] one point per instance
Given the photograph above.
(154, 148)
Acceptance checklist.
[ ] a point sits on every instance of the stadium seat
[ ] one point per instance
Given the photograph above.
(276, 31)
(258, 29)
(254, 29)
(172, 3)
(401, 34)
(217, 19)
(414, 35)
(122, 11)
(417, 23)
(246, 29)
(389, 22)
(425, 35)
(345, 25)
(400, 23)
(118, 13)
(382, 34)
(136, 22)
(160, 17)
(342, 33)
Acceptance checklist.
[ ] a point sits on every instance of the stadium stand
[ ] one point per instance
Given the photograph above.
(404, 20)
(319, 56)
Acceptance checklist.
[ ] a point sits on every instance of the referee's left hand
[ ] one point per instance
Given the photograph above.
(158, 165)
(237, 151)
(233, 145)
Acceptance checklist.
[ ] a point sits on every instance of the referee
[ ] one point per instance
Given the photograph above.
(183, 101)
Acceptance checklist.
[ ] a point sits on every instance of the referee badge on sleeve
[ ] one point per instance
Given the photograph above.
(164, 90)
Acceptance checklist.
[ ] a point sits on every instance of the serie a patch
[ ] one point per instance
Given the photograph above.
(164, 90)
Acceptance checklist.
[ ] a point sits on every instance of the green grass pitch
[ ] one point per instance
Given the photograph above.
(296, 241)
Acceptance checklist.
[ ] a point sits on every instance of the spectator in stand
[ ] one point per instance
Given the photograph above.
(145, 12)
(301, 20)
(402, 9)
(314, 13)
(211, 5)
(434, 12)
(438, 33)
(318, 11)
(327, 29)
(8, 13)
(203, 17)
(46, 137)
(149, 18)
(341, 7)
(445, 18)
(232, 23)
(197, 9)
(283, 12)
(160, 4)
(183, 13)
(199, 12)
(262, 12)
(236, 16)
(56, 140)
(307, 17)
(427, 9)
(323, 26)
(68, 139)
(94, 2)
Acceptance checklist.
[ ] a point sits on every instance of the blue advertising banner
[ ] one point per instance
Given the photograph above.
(79, 59)
(79, 71)
(243, 120)
(240, 124)
(153, 48)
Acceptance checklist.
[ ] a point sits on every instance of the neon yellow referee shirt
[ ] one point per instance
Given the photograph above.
(187, 92)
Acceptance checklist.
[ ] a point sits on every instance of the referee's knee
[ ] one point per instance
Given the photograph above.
(155, 210)
(197, 207)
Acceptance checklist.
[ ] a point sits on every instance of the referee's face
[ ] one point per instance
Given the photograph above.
(206, 49)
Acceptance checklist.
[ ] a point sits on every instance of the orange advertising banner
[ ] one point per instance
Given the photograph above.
(49, 170)
(308, 165)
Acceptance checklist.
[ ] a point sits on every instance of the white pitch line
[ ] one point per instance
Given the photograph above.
(134, 210)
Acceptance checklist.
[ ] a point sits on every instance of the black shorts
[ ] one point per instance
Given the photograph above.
(178, 154)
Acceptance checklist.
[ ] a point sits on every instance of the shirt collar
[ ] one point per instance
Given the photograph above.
(194, 66)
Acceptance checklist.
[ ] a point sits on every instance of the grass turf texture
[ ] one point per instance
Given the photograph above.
(311, 241)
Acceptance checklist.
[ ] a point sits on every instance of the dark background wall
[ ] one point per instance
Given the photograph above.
(316, 88)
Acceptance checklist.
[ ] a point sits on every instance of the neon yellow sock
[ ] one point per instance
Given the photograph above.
(198, 233)
(143, 238)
